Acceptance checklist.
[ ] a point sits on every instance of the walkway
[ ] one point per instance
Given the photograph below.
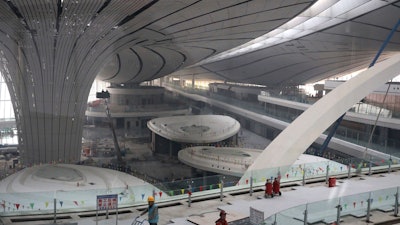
(238, 206)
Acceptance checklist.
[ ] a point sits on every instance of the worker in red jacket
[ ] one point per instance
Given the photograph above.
(276, 187)
(268, 189)
(222, 218)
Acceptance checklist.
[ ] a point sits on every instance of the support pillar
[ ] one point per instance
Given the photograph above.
(170, 149)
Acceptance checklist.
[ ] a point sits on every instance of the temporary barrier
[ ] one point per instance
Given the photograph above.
(332, 181)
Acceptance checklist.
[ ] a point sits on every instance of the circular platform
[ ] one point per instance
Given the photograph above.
(66, 177)
(224, 160)
(235, 161)
(195, 128)
(75, 188)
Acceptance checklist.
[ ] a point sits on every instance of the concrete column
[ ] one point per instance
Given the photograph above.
(383, 137)
(236, 139)
(181, 83)
(153, 141)
(170, 149)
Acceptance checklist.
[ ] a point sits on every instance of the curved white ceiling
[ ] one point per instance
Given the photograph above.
(345, 47)
(135, 41)
(173, 35)
(302, 42)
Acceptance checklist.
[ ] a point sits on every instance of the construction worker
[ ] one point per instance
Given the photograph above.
(222, 218)
(152, 211)
(268, 189)
(276, 187)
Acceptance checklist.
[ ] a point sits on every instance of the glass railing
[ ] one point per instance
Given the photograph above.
(295, 98)
(85, 200)
(7, 119)
(137, 108)
(360, 108)
(389, 146)
(330, 211)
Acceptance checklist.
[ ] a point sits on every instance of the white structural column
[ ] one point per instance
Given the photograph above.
(301, 133)
(48, 61)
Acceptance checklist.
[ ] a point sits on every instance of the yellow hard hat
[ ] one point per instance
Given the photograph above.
(150, 199)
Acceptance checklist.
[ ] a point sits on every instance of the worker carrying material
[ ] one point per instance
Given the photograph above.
(276, 186)
(268, 189)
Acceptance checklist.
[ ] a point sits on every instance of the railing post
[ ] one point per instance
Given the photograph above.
(304, 176)
(55, 211)
(349, 172)
(274, 223)
(221, 195)
(339, 209)
(327, 174)
(396, 203)
(305, 215)
(368, 208)
(251, 185)
(189, 195)
(370, 166)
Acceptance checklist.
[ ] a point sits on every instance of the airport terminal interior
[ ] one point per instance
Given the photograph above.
(201, 105)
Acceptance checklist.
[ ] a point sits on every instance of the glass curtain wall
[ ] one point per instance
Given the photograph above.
(6, 108)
